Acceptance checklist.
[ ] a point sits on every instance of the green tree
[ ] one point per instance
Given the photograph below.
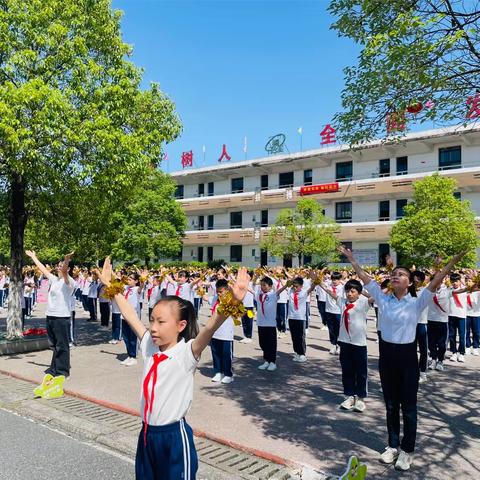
(435, 223)
(303, 231)
(152, 225)
(73, 116)
(411, 52)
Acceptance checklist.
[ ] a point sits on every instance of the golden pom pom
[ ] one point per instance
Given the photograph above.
(115, 287)
(229, 306)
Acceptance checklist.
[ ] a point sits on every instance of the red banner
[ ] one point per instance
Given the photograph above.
(315, 189)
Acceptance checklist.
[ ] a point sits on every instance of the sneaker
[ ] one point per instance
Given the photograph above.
(301, 359)
(227, 379)
(37, 392)
(404, 461)
(246, 340)
(324, 327)
(337, 350)
(54, 388)
(423, 377)
(468, 351)
(113, 341)
(70, 344)
(272, 367)
(461, 358)
(389, 455)
(306, 332)
(359, 405)
(263, 366)
(217, 378)
(453, 358)
(129, 362)
(475, 352)
(348, 403)
(333, 350)
(295, 357)
(440, 367)
(432, 364)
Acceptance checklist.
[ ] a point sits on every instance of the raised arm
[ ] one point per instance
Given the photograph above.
(64, 269)
(202, 340)
(362, 274)
(38, 263)
(441, 274)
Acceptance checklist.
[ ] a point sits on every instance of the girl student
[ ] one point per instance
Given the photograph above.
(171, 350)
(398, 360)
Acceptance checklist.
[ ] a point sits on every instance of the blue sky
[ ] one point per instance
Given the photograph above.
(237, 68)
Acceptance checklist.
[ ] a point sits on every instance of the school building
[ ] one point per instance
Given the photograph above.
(230, 206)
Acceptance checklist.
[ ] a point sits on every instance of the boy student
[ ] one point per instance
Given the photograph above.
(437, 330)
(456, 319)
(297, 315)
(473, 323)
(419, 284)
(352, 339)
(182, 287)
(321, 295)
(332, 312)
(153, 294)
(222, 341)
(281, 305)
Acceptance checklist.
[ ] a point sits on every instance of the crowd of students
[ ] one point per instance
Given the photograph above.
(417, 313)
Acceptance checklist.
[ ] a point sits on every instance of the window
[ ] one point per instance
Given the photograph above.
(307, 259)
(237, 185)
(383, 252)
(457, 195)
(200, 254)
(402, 165)
(201, 222)
(400, 207)
(210, 222)
(343, 258)
(285, 179)
(235, 253)
(235, 219)
(384, 210)
(264, 182)
(209, 254)
(384, 167)
(179, 191)
(307, 177)
(263, 257)
(201, 189)
(343, 212)
(344, 171)
(264, 218)
(450, 157)
(211, 189)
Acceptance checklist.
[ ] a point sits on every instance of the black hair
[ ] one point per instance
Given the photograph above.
(298, 281)
(411, 288)
(354, 285)
(385, 284)
(135, 276)
(419, 275)
(183, 273)
(222, 270)
(336, 276)
(250, 273)
(186, 312)
(267, 280)
(221, 283)
(455, 277)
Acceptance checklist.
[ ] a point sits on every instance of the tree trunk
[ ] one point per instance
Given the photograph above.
(300, 259)
(18, 220)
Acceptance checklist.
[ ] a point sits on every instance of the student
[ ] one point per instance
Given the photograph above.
(92, 297)
(171, 350)
(421, 337)
(457, 319)
(222, 341)
(321, 305)
(352, 339)
(437, 330)
(473, 323)
(247, 319)
(153, 294)
(332, 311)
(266, 298)
(297, 315)
(116, 324)
(398, 361)
(104, 306)
(182, 287)
(282, 309)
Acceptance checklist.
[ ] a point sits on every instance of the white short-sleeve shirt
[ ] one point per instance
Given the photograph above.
(59, 295)
(266, 308)
(357, 322)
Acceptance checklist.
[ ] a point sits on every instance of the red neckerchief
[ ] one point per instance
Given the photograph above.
(346, 316)
(437, 303)
(149, 292)
(157, 359)
(334, 289)
(469, 301)
(278, 284)
(458, 303)
(295, 300)
(262, 297)
(177, 292)
(127, 294)
(214, 308)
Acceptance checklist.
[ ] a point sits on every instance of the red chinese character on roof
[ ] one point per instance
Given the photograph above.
(474, 106)
(328, 135)
(395, 122)
(224, 154)
(187, 159)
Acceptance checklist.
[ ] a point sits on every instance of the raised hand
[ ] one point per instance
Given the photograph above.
(106, 274)
(346, 252)
(240, 286)
(31, 254)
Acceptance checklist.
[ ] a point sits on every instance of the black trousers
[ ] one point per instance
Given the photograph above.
(267, 337)
(353, 359)
(58, 329)
(281, 317)
(92, 308)
(437, 339)
(104, 313)
(297, 331)
(399, 374)
(321, 310)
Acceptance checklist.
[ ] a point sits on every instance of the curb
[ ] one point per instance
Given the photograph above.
(198, 433)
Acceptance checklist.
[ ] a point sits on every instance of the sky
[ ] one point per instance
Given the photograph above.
(240, 68)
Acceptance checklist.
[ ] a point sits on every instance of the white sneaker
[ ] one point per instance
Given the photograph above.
(306, 332)
(129, 362)
(468, 351)
(295, 357)
(348, 403)
(423, 377)
(453, 358)
(263, 366)
(113, 341)
(461, 358)
(227, 379)
(440, 367)
(359, 405)
(301, 359)
(271, 367)
(333, 350)
(246, 340)
(217, 378)
(337, 350)
(475, 352)
(389, 455)
(324, 327)
(404, 461)
(432, 364)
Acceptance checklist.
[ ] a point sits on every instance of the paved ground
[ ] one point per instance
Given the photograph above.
(293, 412)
